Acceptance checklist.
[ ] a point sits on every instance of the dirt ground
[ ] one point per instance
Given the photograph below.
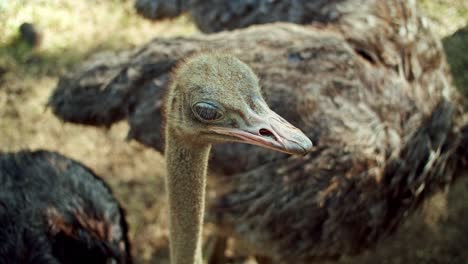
(438, 233)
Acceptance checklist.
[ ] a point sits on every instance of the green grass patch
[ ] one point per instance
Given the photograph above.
(71, 30)
(456, 48)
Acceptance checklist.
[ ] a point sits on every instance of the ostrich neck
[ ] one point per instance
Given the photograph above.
(186, 180)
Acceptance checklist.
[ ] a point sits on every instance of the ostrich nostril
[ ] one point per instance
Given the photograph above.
(266, 133)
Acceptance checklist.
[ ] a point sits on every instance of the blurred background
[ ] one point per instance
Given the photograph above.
(61, 34)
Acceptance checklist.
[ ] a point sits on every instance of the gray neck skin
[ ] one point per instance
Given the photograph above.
(186, 179)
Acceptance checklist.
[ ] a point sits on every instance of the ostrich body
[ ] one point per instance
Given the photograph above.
(212, 99)
(215, 15)
(54, 210)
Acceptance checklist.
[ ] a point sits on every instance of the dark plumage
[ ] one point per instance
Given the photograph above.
(214, 15)
(371, 90)
(55, 210)
(160, 9)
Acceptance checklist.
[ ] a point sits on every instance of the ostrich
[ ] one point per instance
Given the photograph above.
(383, 143)
(212, 99)
(377, 104)
(55, 210)
(214, 15)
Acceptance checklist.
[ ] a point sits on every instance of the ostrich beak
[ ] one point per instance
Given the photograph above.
(269, 130)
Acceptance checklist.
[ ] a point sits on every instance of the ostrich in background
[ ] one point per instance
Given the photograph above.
(214, 15)
(55, 210)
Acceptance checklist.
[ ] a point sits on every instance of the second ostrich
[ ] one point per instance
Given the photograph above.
(55, 210)
(213, 99)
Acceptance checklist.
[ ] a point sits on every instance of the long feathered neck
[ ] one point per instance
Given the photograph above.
(186, 178)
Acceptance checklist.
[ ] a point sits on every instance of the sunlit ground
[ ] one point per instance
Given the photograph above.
(72, 30)
(446, 15)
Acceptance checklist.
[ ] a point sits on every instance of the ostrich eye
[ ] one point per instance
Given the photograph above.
(207, 111)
